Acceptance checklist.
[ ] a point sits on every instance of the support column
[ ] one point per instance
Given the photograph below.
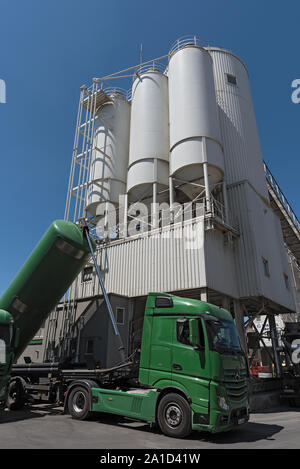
(154, 207)
(275, 345)
(239, 322)
(206, 178)
(225, 202)
(171, 198)
(125, 220)
(203, 294)
(226, 303)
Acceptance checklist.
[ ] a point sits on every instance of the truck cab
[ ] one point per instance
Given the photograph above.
(192, 372)
(7, 338)
(192, 348)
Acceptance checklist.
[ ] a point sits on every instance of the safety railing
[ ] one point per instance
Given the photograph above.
(151, 67)
(185, 41)
(281, 197)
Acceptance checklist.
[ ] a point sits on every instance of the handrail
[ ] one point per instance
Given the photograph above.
(188, 40)
(273, 183)
(152, 67)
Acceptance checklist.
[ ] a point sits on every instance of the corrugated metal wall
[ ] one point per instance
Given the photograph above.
(242, 151)
(167, 261)
(260, 238)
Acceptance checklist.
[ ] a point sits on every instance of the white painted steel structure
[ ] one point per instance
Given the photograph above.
(149, 134)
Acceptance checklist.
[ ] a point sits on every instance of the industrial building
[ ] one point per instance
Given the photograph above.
(168, 171)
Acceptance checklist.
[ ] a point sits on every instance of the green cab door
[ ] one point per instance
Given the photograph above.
(190, 360)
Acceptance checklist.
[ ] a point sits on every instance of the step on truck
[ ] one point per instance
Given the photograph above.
(188, 373)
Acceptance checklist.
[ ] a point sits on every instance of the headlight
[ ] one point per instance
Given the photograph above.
(222, 403)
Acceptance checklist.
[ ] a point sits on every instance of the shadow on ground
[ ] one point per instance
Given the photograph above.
(250, 432)
(29, 412)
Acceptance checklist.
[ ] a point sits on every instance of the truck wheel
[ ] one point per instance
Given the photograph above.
(79, 403)
(16, 395)
(174, 416)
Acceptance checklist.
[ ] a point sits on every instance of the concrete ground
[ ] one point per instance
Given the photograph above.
(47, 427)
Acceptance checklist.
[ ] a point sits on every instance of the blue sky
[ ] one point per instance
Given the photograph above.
(50, 48)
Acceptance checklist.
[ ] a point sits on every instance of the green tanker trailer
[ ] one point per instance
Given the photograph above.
(47, 274)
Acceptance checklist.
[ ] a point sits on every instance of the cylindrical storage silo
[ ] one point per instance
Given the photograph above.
(109, 160)
(242, 152)
(149, 135)
(195, 140)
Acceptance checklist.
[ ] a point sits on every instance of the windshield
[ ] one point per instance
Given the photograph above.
(223, 336)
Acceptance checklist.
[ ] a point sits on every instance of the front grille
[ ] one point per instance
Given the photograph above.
(235, 382)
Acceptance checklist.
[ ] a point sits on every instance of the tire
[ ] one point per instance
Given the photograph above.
(174, 416)
(79, 403)
(16, 395)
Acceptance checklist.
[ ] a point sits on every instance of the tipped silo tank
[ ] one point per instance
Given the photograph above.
(242, 151)
(149, 135)
(195, 139)
(109, 160)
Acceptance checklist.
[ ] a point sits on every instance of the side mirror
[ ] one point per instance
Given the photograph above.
(194, 334)
(17, 337)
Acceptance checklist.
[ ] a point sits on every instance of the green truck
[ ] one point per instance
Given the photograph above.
(188, 373)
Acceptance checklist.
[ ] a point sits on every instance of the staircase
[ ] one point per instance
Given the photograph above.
(289, 221)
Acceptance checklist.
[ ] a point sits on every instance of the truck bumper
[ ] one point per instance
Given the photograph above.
(220, 421)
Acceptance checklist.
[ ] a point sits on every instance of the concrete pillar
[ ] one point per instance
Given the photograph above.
(275, 345)
(239, 322)
(226, 302)
(203, 294)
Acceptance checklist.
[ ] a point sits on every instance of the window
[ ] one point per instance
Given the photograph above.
(231, 79)
(183, 331)
(223, 335)
(87, 274)
(286, 281)
(266, 267)
(120, 315)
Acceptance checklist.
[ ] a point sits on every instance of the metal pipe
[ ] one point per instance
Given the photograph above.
(224, 189)
(110, 311)
(171, 198)
(154, 205)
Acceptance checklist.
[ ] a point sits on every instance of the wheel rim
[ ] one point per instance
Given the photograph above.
(173, 415)
(79, 401)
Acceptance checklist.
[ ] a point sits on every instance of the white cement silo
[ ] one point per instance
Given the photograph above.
(109, 161)
(149, 135)
(195, 140)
